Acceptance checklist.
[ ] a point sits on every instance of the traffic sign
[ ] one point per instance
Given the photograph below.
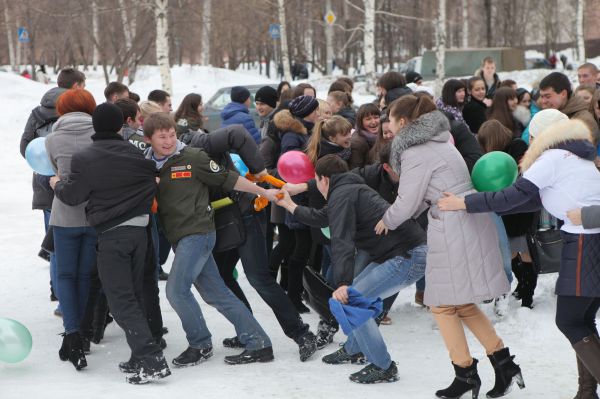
(23, 34)
(275, 31)
(330, 18)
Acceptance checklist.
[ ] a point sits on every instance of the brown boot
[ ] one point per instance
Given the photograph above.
(587, 383)
(419, 295)
(588, 352)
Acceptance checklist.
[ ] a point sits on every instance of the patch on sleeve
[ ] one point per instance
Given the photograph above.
(214, 166)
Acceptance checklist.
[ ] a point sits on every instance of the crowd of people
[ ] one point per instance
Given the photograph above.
(391, 205)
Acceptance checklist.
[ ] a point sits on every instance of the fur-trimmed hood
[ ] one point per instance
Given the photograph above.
(433, 126)
(285, 122)
(572, 135)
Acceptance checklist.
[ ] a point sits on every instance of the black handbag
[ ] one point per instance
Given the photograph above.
(317, 293)
(545, 248)
(229, 227)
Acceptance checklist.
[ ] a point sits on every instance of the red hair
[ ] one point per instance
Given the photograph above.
(75, 100)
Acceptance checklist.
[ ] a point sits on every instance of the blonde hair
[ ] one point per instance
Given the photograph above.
(327, 129)
(148, 108)
(322, 106)
(342, 97)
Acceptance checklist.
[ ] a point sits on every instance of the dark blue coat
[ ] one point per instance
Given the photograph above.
(236, 113)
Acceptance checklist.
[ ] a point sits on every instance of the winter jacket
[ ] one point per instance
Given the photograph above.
(236, 113)
(465, 142)
(349, 114)
(576, 108)
(490, 91)
(185, 125)
(464, 264)
(353, 211)
(360, 150)
(183, 192)
(474, 114)
(97, 175)
(39, 124)
(135, 137)
(455, 112)
(72, 133)
(270, 149)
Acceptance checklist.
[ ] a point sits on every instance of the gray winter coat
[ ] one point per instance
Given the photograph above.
(72, 132)
(464, 264)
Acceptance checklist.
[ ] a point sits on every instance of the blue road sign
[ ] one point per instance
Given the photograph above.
(23, 34)
(275, 31)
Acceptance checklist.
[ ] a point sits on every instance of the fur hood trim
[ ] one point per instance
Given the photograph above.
(286, 122)
(560, 132)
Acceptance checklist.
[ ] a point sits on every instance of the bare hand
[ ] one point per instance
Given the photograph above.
(381, 228)
(53, 181)
(451, 202)
(341, 294)
(574, 216)
(488, 102)
(295, 189)
(157, 180)
(271, 194)
(284, 200)
(260, 174)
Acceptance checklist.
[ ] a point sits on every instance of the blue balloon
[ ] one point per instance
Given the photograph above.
(37, 158)
(239, 164)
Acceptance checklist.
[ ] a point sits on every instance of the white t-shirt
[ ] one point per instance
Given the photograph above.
(566, 182)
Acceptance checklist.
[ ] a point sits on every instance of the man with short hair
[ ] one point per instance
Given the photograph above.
(162, 98)
(115, 91)
(490, 77)
(266, 102)
(131, 122)
(588, 74)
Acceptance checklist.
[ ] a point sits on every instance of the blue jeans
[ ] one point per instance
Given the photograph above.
(75, 251)
(383, 280)
(194, 264)
(53, 275)
(504, 247)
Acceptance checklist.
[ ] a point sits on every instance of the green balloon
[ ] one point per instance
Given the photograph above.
(235, 274)
(15, 341)
(494, 171)
(326, 232)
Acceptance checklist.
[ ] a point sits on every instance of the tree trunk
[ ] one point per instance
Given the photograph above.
(369, 45)
(440, 38)
(488, 22)
(205, 35)
(9, 38)
(162, 44)
(18, 50)
(465, 23)
(127, 29)
(285, 56)
(328, 41)
(95, 33)
(580, 36)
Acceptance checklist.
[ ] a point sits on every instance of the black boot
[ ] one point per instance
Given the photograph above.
(341, 357)
(325, 332)
(466, 379)
(587, 383)
(307, 345)
(506, 372)
(530, 277)
(149, 372)
(232, 343)
(100, 319)
(72, 350)
(192, 356)
(372, 374)
(251, 356)
(518, 272)
(129, 367)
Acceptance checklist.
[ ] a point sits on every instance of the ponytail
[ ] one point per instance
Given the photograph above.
(343, 97)
(325, 129)
(312, 148)
(411, 107)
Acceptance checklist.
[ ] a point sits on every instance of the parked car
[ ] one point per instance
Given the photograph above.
(214, 106)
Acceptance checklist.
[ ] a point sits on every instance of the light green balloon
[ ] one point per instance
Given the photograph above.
(326, 232)
(15, 341)
(235, 274)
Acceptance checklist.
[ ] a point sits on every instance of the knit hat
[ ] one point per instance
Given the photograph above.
(107, 119)
(239, 94)
(543, 120)
(413, 77)
(303, 106)
(267, 95)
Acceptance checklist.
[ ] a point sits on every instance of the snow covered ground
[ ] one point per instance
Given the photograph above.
(545, 356)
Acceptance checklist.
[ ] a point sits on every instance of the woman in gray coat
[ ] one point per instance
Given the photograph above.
(464, 264)
(74, 239)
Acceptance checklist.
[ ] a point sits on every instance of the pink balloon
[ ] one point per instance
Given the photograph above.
(295, 167)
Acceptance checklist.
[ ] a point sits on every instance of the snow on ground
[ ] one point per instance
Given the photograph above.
(545, 356)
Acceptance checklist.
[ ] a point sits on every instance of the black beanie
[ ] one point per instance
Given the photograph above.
(413, 77)
(267, 95)
(107, 119)
(303, 106)
(239, 94)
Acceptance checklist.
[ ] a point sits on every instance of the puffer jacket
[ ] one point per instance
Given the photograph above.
(464, 264)
(576, 108)
(236, 113)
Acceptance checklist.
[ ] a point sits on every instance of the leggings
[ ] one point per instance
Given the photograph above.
(576, 316)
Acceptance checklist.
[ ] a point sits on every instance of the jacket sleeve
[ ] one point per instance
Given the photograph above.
(290, 142)
(523, 196)
(75, 189)
(269, 153)
(414, 180)
(466, 144)
(210, 173)
(590, 216)
(343, 231)
(312, 217)
(28, 135)
(358, 155)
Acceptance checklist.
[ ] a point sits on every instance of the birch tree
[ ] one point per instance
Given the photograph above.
(95, 33)
(580, 37)
(369, 43)
(328, 41)
(465, 23)
(162, 44)
(285, 55)
(9, 38)
(440, 39)
(205, 34)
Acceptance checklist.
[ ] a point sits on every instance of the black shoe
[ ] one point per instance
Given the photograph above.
(307, 344)
(251, 356)
(325, 333)
(161, 342)
(162, 275)
(466, 380)
(506, 372)
(72, 350)
(373, 374)
(44, 255)
(518, 272)
(341, 356)
(233, 343)
(192, 356)
(146, 374)
(85, 344)
(130, 367)
(165, 331)
(530, 276)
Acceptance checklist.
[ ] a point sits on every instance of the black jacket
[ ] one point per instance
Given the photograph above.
(355, 209)
(464, 141)
(474, 113)
(349, 114)
(115, 179)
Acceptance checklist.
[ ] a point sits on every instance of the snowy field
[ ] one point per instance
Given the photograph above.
(545, 356)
